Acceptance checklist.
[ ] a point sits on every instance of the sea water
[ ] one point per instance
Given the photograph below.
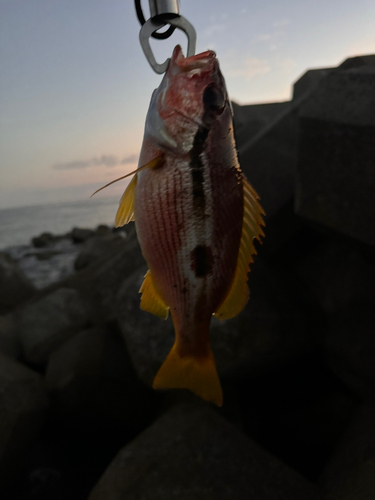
(19, 225)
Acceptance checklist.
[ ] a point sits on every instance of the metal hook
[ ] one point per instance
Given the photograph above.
(152, 25)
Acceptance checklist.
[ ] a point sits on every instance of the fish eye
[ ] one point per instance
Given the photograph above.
(213, 99)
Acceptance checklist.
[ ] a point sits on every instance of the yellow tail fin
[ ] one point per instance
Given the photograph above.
(198, 374)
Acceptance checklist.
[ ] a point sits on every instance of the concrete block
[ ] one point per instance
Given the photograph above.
(193, 454)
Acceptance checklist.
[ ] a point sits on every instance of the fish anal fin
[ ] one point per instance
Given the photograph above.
(197, 374)
(125, 212)
(238, 294)
(151, 300)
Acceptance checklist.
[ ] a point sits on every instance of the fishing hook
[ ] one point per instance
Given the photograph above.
(163, 12)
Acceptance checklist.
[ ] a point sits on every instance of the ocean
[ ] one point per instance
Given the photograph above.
(19, 225)
(45, 266)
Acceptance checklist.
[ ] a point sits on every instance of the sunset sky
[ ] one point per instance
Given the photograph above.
(75, 85)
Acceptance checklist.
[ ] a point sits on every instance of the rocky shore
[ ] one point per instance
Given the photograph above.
(78, 418)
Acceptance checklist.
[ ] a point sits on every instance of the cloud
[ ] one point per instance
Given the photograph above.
(129, 159)
(72, 165)
(263, 38)
(282, 22)
(213, 28)
(102, 161)
(105, 160)
(360, 47)
(287, 65)
(248, 68)
(275, 37)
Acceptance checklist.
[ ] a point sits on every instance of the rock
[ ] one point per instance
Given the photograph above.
(350, 346)
(269, 159)
(250, 120)
(90, 376)
(44, 266)
(148, 338)
(297, 411)
(97, 247)
(43, 240)
(22, 410)
(351, 471)
(45, 483)
(9, 341)
(340, 275)
(271, 330)
(46, 324)
(14, 286)
(43, 255)
(102, 230)
(79, 235)
(335, 171)
(338, 272)
(309, 81)
(357, 62)
(192, 453)
(99, 284)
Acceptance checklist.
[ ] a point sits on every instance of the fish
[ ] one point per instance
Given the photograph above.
(196, 217)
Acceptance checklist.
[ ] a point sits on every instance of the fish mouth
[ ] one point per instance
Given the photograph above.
(205, 62)
(204, 67)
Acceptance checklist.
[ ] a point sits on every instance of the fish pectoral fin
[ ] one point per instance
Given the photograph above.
(238, 294)
(151, 300)
(197, 374)
(125, 212)
(156, 162)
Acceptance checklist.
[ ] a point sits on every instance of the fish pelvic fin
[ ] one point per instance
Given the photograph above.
(197, 374)
(238, 294)
(151, 300)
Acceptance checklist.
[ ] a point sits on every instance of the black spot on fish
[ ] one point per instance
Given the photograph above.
(197, 166)
(201, 261)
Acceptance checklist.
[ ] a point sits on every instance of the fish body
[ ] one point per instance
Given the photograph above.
(190, 206)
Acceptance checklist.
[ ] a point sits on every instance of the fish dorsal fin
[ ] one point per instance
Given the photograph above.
(151, 300)
(125, 212)
(238, 294)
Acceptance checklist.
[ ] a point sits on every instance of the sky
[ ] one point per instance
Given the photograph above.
(75, 86)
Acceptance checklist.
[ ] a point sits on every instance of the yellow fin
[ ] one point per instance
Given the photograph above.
(125, 212)
(151, 300)
(198, 374)
(156, 162)
(238, 294)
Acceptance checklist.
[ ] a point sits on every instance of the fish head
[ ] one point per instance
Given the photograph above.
(192, 94)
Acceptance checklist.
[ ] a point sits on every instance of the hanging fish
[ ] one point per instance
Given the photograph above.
(196, 217)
